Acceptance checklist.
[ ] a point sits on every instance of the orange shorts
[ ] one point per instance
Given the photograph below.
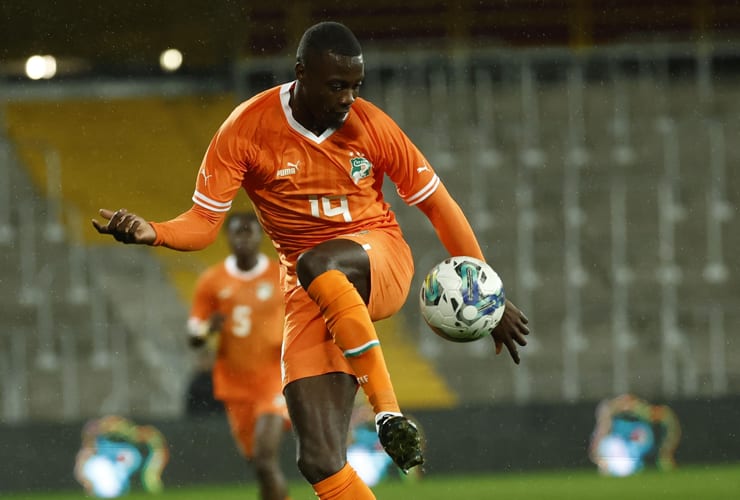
(308, 348)
(243, 413)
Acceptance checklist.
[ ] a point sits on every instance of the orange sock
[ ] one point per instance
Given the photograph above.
(343, 485)
(348, 320)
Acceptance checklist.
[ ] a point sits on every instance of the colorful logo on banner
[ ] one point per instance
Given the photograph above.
(113, 451)
(631, 433)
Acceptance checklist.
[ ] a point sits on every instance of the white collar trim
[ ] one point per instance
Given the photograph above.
(285, 101)
(259, 267)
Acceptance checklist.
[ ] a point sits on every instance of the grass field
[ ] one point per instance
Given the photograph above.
(689, 483)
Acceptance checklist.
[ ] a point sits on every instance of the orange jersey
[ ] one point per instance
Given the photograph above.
(305, 188)
(251, 337)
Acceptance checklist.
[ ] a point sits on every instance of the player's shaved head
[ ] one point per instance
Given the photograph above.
(329, 72)
(328, 36)
(244, 235)
(240, 219)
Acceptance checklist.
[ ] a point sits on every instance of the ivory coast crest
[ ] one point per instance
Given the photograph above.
(361, 168)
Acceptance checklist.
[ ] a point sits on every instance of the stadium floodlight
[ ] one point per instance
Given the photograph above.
(38, 67)
(170, 60)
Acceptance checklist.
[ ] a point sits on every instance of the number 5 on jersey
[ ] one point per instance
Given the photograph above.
(241, 321)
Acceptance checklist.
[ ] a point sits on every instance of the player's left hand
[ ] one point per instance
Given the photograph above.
(510, 331)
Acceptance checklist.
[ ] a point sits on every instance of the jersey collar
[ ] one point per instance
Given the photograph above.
(259, 268)
(285, 101)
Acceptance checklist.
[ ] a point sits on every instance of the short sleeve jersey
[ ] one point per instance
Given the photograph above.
(254, 312)
(306, 188)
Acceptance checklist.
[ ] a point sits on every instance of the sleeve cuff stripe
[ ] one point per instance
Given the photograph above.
(424, 192)
(208, 203)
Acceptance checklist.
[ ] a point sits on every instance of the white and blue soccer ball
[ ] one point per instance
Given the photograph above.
(462, 299)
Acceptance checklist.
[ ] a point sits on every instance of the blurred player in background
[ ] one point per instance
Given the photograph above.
(240, 301)
(312, 157)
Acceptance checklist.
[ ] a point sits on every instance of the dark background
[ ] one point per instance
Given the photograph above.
(127, 36)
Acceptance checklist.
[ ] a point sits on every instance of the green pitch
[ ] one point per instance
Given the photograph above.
(689, 483)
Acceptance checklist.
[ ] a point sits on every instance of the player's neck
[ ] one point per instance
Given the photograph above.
(302, 115)
(246, 262)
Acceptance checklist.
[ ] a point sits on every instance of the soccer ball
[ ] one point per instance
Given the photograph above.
(462, 299)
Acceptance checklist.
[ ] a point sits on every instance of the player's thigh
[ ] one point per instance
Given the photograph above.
(320, 409)
(268, 433)
(391, 270)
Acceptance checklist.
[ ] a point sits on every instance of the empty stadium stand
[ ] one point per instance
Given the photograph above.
(74, 344)
(143, 153)
(602, 184)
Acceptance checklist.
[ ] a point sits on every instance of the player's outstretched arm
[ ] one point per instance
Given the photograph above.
(511, 330)
(125, 227)
(456, 234)
(194, 229)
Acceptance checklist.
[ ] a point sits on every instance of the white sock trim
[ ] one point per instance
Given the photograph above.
(380, 416)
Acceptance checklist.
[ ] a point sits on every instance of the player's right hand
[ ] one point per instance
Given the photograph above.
(125, 227)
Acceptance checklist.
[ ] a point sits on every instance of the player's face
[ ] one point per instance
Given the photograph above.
(245, 236)
(329, 85)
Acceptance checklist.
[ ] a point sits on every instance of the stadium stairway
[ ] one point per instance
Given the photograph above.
(143, 154)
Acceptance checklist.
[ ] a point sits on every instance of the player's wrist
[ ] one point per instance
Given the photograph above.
(198, 331)
(156, 239)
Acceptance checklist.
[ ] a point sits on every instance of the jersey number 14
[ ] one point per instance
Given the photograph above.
(330, 206)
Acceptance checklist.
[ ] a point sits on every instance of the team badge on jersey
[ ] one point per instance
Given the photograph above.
(361, 168)
(264, 291)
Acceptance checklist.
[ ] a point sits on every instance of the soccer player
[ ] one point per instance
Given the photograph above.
(240, 300)
(312, 156)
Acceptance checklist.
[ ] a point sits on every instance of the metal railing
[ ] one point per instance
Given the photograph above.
(451, 104)
(517, 125)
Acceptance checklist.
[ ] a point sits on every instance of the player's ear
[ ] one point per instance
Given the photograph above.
(300, 71)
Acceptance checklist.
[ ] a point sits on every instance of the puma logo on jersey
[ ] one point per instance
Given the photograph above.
(205, 175)
(292, 169)
(423, 168)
